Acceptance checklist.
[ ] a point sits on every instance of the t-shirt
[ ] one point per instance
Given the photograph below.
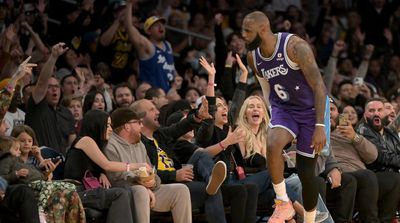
(52, 126)
(164, 162)
(184, 150)
(14, 119)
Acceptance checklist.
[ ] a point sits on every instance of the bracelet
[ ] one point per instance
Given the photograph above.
(212, 84)
(128, 167)
(222, 146)
(228, 66)
(320, 125)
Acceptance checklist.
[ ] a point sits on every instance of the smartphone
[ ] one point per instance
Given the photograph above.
(343, 119)
(358, 81)
(55, 160)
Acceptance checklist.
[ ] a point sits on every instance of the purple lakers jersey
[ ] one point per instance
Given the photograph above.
(288, 87)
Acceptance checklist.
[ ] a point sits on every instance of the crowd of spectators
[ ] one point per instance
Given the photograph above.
(169, 78)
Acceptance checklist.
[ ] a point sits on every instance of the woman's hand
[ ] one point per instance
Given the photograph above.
(104, 181)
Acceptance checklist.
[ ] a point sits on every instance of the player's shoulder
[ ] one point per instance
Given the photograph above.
(295, 41)
(297, 46)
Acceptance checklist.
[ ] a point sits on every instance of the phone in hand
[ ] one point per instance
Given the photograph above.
(343, 119)
(55, 160)
(358, 81)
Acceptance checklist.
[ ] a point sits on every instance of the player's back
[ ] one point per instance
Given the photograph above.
(289, 88)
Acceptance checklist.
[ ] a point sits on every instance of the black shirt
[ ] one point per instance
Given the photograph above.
(52, 126)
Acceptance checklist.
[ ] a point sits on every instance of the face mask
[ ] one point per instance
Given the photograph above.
(254, 44)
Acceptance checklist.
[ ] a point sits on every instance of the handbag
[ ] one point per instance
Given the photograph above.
(238, 169)
(90, 182)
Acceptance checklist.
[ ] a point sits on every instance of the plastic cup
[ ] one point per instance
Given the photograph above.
(187, 165)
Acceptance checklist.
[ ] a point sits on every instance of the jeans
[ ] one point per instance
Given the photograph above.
(213, 205)
(263, 182)
(294, 190)
(389, 194)
(242, 199)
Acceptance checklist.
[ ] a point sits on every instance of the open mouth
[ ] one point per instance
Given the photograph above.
(377, 121)
(255, 117)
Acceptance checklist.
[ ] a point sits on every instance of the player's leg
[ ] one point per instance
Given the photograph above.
(283, 130)
(278, 137)
(306, 171)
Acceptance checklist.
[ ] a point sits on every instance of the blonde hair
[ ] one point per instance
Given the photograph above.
(250, 138)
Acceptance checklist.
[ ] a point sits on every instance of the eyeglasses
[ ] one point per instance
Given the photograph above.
(135, 121)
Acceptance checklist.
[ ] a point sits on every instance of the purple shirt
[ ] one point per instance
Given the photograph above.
(289, 88)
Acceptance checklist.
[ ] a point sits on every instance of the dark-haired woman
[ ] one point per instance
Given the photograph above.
(86, 154)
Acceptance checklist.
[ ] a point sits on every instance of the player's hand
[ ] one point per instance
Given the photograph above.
(318, 139)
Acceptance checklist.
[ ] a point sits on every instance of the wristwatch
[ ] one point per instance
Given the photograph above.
(356, 139)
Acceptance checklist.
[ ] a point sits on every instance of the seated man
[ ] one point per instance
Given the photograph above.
(387, 164)
(125, 146)
(158, 145)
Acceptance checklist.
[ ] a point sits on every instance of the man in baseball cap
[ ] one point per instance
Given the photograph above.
(156, 62)
(151, 21)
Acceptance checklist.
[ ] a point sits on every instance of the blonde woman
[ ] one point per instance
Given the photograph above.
(253, 119)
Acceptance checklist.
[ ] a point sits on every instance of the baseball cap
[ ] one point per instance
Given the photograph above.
(121, 116)
(151, 20)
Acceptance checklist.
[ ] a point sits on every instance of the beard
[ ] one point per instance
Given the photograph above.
(254, 44)
(374, 126)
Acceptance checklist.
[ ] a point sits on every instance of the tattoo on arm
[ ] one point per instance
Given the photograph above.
(301, 53)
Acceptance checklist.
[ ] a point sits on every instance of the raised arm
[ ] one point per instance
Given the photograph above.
(144, 47)
(40, 89)
(363, 68)
(7, 92)
(330, 69)
(300, 52)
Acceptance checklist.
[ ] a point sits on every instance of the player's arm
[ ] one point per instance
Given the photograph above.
(300, 52)
(143, 45)
(263, 82)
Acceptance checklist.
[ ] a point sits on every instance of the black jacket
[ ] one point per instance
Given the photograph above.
(166, 137)
(208, 134)
(388, 146)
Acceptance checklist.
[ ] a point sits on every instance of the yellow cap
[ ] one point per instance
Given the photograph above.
(150, 21)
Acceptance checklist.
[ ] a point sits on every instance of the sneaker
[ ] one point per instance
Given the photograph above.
(284, 211)
(320, 216)
(217, 177)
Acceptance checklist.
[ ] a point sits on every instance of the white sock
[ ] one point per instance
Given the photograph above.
(280, 190)
(309, 216)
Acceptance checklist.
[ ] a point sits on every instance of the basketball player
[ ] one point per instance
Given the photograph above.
(294, 90)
